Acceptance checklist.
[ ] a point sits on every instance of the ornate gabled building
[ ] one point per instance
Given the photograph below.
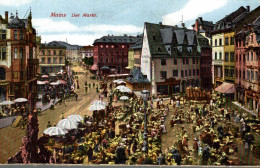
(18, 61)
(170, 58)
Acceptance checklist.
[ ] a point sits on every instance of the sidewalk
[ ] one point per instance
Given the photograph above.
(242, 107)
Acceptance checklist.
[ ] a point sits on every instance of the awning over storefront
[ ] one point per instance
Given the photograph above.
(94, 67)
(226, 88)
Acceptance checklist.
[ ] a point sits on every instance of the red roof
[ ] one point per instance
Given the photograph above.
(226, 88)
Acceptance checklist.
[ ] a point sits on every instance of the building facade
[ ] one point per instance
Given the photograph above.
(170, 58)
(18, 62)
(252, 82)
(111, 53)
(223, 48)
(52, 58)
(87, 51)
(205, 62)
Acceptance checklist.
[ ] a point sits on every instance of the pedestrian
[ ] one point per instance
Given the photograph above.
(76, 96)
(49, 124)
(65, 103)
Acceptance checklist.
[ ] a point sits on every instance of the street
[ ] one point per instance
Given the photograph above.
(11, 137)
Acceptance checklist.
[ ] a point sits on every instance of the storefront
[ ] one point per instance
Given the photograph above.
(169, 87)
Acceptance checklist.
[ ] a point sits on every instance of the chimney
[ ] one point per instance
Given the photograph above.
(183, 25)
(160, 23)
(248, 8)
(6, 16)
(125, 35)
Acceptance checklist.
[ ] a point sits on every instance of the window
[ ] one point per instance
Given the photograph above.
(247, 56)
(153, 37)
(189, 72)
(194, 72)
(232, 57)
(186, 73)
(123, 46)
(60, 52)
(175, 62)
(175, 73)
(232, 73)
(106, 46)
(43, 60)
(169, 49)
(216, 55)
(2, 34)
(20, 34)
(220, 55)
(49, 60)
(244, 75)
(183, 61)
(216, 42)
(231, 40)
(252, 56)
(198, 71)
(15, 34)
(2, 73)
(60, 60)
(101, 60)
(54, 52)
(163, 74)
(21, 53)
(256, 76)
(220, 42)
(106, 60)
(163, 61)
(15, 53)
(181, 73)
(49, 52)
(2, 53)
(248, 75)
(193, 60)
(226, 72)
(55, 60)
(252, 75)
(112, 60)
(43, 52)
(226, 56)
(112, 46)
(187, 61)
(101, 46)
(226, 41)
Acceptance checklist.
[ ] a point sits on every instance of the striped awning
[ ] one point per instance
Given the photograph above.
(226, 88)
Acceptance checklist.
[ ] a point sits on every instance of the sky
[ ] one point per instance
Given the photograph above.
(117, 17)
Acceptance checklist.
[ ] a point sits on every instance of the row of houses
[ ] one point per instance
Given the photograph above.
(222, 56)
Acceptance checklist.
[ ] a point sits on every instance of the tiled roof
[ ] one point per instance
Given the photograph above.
(118, 39)
(181, 40)
(230, 20)
(136, 76)
(137, 45)
(16, 23)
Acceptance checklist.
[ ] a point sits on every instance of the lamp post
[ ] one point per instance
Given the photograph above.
(145, 96)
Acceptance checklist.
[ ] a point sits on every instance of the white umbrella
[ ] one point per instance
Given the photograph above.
(40, 83)
(75, 117)
(99, 102)
(117, 80)
(20, 100)
(7, 102)
(68, 124)
(124, 89)
(123, 98)
(55, 83)
(54, 131)
(96, 107)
